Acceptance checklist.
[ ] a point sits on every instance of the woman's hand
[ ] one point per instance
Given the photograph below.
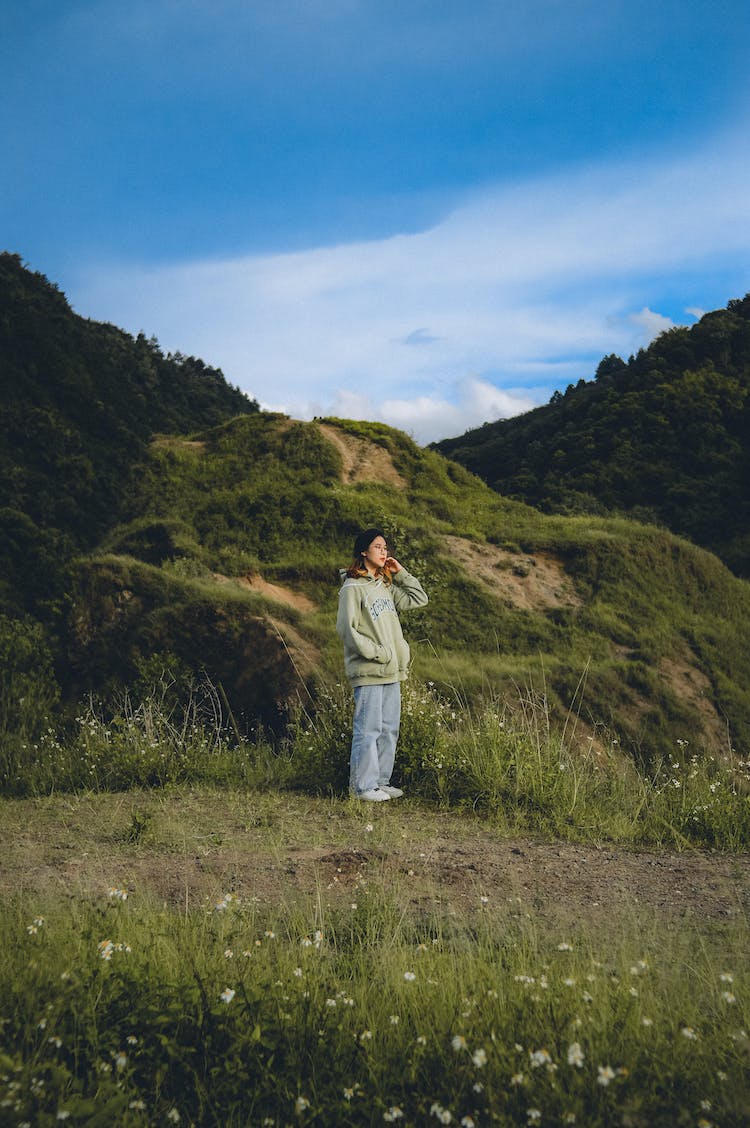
(392, 564)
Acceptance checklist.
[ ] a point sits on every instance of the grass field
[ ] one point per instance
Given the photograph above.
(224, 957)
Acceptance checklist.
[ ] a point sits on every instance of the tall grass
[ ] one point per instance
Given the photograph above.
(516, 764)
(120, 1012)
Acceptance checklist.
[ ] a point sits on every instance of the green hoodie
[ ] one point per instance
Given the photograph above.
(375, 650)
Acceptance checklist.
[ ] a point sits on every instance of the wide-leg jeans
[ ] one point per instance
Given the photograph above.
(377, 716)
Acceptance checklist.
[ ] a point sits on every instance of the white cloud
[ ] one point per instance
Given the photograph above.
(651, 323)
(521, 290)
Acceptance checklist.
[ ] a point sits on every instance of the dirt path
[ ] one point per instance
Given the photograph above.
(185, 848)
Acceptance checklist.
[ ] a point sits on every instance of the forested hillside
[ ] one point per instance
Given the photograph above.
(134, 557)
(664, 437)
(79, 401)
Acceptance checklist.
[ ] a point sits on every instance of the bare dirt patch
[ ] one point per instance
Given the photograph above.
(363, 461)
(191, 848)
(688, 681)
(531, 583)
(280, 594)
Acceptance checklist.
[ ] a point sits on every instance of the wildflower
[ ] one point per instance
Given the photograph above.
(366, 1036)
(121, 1060)
(458, 1042)
(575, 1055)
(478, 1087)
(569, 982)
(533, 1115)
(393, 1113)
(443, 1115)
(564, 947)
(606, 1074)
(479, 1058)
(139, 1106)
(688, 1032)
(722, 1076)
(348, 1094)
(634, 992)
(131, 1040)
(726, 977)
(227, 995)
(409, 976)
(117, 894)
(517, 1079)
(539, 1058)
(467, 1122)
(485, 900)
(106, 947)
(369, 828)
(173, 1115)
(330, 1002)
(301, 1104)
(228, 954)
(728, 997)
(647, 1021)
(269, 935)
(297, 972)
(394, 1020)
(63, 1113)
(56, 1042)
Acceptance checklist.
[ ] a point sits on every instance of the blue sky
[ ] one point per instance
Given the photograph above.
(428, 212)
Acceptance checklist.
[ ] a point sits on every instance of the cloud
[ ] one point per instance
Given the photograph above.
(652, 323)
(472, 401)
(519, 291)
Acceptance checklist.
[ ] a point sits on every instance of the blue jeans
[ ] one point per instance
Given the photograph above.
(377, 716)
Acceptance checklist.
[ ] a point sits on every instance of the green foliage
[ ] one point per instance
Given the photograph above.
(29, 698)
(663, 438)
(79, 401)
(118, 1011)
(533, 772)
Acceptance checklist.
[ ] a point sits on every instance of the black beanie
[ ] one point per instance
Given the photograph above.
(365, 539)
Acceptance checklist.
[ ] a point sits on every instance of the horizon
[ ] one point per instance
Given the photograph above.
(429, 219)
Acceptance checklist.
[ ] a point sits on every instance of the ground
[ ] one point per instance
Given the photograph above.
(187, 848)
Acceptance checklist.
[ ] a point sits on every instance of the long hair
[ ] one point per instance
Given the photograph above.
(357, 571)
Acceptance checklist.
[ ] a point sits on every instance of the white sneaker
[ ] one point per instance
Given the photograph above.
(374, 795)
(390, 790)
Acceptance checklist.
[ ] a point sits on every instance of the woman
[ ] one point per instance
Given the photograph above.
(376, 659)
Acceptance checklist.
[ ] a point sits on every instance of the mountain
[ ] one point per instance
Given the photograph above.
(79, 401)
(137, 553)
(664, 437)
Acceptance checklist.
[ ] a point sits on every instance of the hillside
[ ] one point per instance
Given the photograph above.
(79, 401)
(217, 555)
(664, 437)
(228, 560)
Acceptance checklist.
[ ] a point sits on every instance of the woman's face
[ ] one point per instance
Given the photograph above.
(376, 555)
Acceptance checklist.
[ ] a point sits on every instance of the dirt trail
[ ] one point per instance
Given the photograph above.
(196, 846)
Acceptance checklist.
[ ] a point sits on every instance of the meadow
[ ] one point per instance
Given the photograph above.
(199, 928)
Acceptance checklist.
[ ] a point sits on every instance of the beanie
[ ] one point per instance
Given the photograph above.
(365, 539)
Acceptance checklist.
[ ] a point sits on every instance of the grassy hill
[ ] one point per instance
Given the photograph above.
(216, 558)
(664, 437)
(228, 562)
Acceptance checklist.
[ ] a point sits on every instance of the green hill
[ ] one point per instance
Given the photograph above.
(79, 401)
(214, 551)
(664, 437)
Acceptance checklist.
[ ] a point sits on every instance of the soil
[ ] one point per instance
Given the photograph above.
(362, 460)
(192, 848)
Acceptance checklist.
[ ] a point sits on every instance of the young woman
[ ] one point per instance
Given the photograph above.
(376, 659)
